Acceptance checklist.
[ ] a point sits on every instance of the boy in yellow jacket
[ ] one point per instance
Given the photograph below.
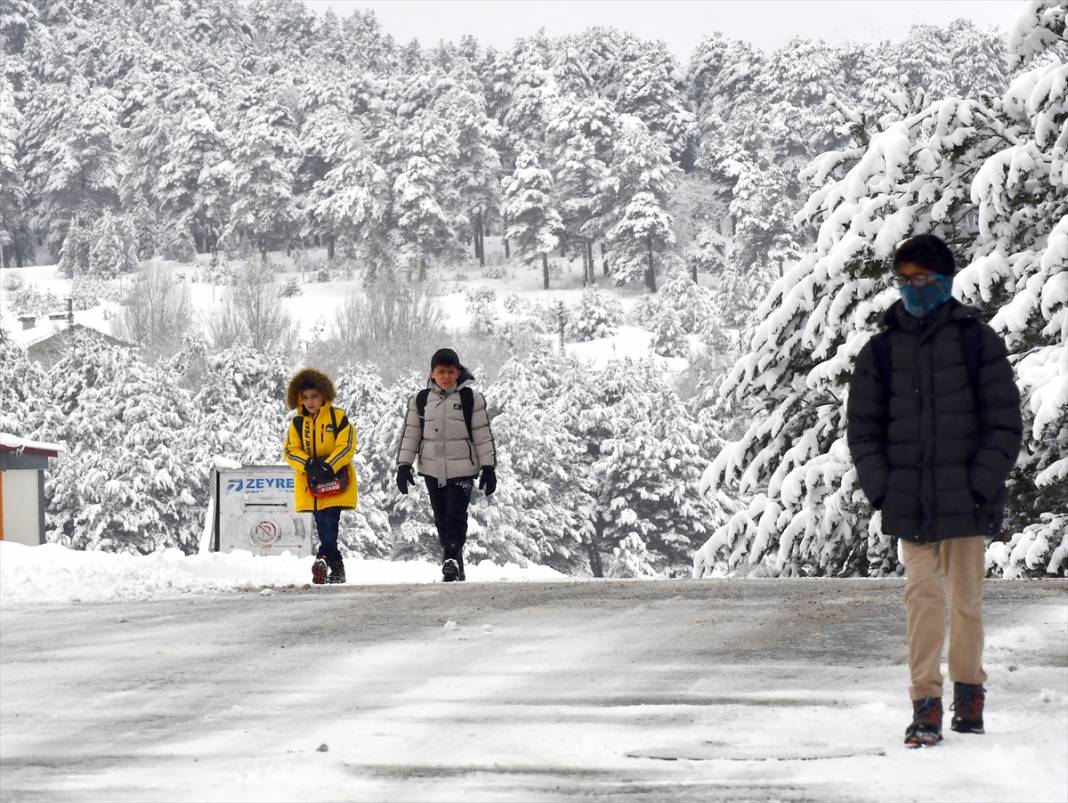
(320, 444)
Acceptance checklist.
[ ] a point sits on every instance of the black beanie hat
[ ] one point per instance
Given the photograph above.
(444, 357)
(927, 251)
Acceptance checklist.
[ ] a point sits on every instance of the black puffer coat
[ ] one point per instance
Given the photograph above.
(932, 454)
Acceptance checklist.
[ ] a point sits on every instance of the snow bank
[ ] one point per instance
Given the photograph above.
(53, 573)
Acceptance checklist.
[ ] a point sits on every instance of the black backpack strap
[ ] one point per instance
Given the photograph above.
(467, 403)
(971, 343)
(880, 349)
(420, 402)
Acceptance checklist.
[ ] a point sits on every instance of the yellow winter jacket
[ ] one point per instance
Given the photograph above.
(329, 435)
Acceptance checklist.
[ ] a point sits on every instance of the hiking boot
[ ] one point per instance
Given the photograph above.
(450, 570)
(319, 571)
(926, 727)
(337, 572)
(968, 699)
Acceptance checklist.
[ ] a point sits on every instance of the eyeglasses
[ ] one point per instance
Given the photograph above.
(919, 280)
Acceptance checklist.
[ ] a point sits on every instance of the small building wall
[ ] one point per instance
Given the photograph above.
(22, 508)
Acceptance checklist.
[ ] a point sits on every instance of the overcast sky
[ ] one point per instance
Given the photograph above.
(765, 23)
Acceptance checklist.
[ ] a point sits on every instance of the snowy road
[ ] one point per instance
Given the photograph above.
(762, 690)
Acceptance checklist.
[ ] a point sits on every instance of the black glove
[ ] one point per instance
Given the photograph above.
(405, 477)
(487, 483)
(318, 471)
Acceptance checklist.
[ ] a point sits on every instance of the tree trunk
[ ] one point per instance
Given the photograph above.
(604, 260)
(650, 274)
(596, 567)
(545, 271)
(504, 237)
(585, 265)
(422, 269)
(693, 270)
(330, 246)
(590, 262)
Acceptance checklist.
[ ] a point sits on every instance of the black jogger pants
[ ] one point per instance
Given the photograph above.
(449, 503)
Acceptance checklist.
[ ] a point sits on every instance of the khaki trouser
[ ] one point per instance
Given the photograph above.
(959, 566)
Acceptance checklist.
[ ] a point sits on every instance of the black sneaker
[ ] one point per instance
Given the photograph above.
(337, 573)
(319, 571)
(926, 727)
(968, 700)
(450, 570)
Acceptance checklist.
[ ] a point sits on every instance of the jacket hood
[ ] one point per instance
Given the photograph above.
(897, 317)
(308, 376)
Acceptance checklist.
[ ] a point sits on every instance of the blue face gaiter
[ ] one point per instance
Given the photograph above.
(920, 301)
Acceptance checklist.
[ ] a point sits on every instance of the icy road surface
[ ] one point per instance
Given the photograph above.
(638, 691)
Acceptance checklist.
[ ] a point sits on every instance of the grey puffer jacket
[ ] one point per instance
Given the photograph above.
(440, 440)
(932, 452)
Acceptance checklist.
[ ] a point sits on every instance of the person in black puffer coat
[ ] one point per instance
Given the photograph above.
(934, 428)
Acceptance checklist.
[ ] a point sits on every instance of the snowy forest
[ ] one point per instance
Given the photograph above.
(352, 202)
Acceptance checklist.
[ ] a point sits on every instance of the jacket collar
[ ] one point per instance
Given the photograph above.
(324, 409)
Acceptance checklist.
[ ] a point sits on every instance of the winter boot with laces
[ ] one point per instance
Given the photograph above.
(926, 727)
(319, 571)
(968, 699)
(337, 572)
(450, 570)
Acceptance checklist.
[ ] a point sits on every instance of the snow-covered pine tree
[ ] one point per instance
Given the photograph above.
(263, 151)
(540, 511)
(195, 179)
(642, 178)
(954, 168)
(352, 201)
(532, 92)
(126, 482)
(240, 404)
(113, 248)
(478, 169)
(21, 383)
(427, 206)
(580, 139)
(70, 159)
(595, 316)
(669, 336)
(534, 225)
(651, 90)
(1021, 266)
(643, 464)
(12, 184)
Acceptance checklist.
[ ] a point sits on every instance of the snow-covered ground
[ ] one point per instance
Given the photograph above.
(670, 690)
(319, 301)
(53, 573)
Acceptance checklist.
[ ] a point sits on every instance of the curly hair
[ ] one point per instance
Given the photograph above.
(308, 379)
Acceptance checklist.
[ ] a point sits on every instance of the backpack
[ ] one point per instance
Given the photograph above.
(970, 342)
(467, 404)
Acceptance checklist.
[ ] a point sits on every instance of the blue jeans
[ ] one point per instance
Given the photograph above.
(326, 525)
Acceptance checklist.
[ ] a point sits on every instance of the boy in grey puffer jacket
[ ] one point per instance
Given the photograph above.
(447, 429)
